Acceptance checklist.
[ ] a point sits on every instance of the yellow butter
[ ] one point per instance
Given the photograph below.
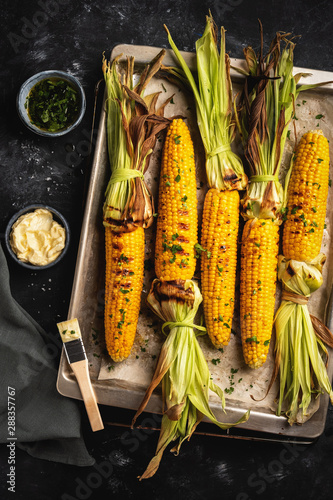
(36, 238)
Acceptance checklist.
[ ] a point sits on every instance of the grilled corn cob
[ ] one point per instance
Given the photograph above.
(301, 339)
(264, 112)
(128, 206)
(123, 287)
(219, 261)
(177, 207)
(259, 254)
(307, 194)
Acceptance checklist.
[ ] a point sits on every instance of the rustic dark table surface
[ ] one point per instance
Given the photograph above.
(71, 35)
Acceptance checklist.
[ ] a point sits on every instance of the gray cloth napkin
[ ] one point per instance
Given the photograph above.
(47, 425)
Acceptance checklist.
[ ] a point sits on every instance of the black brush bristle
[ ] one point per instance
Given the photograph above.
(75, 351)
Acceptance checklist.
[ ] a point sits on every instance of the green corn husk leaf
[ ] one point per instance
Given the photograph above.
(300, 349)
(181, 367)
(264, 113)
(213, 99)
(132, 123)
(301, 277)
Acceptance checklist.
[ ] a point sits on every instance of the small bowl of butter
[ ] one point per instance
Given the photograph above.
(37, 237)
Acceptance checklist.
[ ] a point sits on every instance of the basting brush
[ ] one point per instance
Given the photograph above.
(71, 336)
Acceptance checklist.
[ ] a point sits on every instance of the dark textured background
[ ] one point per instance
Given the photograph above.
(72, 36)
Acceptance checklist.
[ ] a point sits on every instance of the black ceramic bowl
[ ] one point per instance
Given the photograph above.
(57, 216)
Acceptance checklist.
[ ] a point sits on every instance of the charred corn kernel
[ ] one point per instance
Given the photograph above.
(259, 253)
(177, 207)
(307, 195)
(124, 253)
(219, 234)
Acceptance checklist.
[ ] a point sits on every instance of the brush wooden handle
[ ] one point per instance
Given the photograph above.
(80, 369)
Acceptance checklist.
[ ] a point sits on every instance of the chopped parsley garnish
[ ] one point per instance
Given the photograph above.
(123, 257)
(252, 339)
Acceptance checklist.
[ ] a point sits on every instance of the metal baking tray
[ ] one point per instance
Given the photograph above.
(123, 385)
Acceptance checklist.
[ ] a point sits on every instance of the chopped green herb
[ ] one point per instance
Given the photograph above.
(123, 258)
(252, 339)
(53, 104)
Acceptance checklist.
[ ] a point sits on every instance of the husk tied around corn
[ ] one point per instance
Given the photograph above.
(300, 349)
(132, 123)
(181, 367)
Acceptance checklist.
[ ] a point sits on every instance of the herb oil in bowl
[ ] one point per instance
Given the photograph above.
(51, 103)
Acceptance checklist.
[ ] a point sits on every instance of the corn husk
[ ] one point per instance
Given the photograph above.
(132, 123)
(300, 351)
(265, 110)
(213, 100)
(181, 367)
